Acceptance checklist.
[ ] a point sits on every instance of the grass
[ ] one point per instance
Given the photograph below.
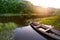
(54, 21)
(7, 31)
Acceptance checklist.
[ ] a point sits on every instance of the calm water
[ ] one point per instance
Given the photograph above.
(27, 33)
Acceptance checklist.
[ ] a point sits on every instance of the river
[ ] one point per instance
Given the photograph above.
(27, 33)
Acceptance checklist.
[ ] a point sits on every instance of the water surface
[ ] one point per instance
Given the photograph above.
(27, 33)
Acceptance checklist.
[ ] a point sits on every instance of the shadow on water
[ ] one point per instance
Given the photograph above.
(27, 33)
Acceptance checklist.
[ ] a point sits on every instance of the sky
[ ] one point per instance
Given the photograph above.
(46, 3)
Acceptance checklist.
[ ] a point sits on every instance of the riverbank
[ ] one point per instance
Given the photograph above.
(54, 21)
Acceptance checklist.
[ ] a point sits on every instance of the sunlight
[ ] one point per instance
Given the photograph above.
(46, 3)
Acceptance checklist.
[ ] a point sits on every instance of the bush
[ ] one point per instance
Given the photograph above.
(6, 31)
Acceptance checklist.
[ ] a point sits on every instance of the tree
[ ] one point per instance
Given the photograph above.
(13, 6)
(24, 8)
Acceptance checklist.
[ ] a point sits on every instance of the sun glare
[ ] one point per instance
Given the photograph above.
(46, 3)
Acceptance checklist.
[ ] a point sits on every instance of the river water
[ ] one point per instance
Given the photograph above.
(27, 33)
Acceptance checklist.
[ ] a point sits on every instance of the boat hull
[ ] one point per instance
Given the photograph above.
(49, 36)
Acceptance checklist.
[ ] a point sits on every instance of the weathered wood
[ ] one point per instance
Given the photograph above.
(51, 35)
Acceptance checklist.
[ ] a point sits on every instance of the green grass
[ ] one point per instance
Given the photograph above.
(7, 31)
(54, 21)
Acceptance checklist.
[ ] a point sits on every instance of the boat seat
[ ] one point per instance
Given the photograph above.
(41, 29)
(44, 30)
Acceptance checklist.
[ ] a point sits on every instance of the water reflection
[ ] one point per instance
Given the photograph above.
(27, 33)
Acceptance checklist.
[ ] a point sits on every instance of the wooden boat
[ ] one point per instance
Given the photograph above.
(50, 34)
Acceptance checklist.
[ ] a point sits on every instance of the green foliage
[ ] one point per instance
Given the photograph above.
(14, 6)
(7, 26)
(7, 6)
(22, 9)
(6, 31)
